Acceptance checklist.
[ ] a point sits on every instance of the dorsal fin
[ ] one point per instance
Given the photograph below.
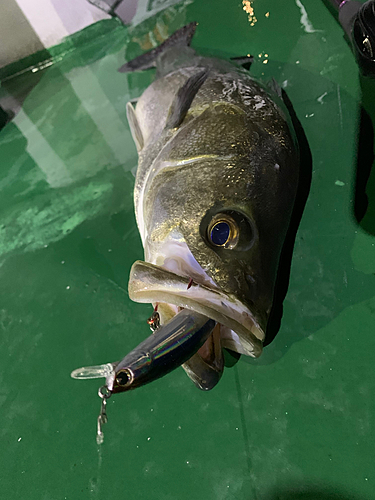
(184, 97)
(134, 126)
(244, 61)
(181, 37)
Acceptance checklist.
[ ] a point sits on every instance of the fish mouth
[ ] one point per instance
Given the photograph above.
(240, 330)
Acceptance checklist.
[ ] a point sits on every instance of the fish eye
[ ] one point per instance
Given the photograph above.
(124, 378)
(223, 231)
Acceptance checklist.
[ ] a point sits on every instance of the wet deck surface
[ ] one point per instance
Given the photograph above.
(299, 422)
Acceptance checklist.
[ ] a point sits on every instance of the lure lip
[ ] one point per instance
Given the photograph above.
(152, 283)
(107, 371)
(95, 371)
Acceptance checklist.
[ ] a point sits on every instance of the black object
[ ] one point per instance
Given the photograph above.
(358, 21)
(363, 38)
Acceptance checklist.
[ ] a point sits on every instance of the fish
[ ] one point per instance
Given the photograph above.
(218, 169)
(217, 176)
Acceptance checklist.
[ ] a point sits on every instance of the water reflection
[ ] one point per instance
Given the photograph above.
(66, 155)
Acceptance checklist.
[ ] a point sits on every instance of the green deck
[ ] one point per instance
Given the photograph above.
(299, 422)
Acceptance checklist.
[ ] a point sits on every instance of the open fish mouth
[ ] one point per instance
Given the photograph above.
(240, 330)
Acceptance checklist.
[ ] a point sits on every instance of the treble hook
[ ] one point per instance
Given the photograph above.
(104, 393)
(154, 320)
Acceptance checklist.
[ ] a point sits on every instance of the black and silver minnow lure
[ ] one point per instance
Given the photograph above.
(167, 348)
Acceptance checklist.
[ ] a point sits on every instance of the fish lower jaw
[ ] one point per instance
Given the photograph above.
(239, 329)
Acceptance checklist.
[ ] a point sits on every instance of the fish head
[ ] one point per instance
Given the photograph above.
(213, 223)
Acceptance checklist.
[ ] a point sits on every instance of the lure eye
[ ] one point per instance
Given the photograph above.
(124, 378)
(223, 231)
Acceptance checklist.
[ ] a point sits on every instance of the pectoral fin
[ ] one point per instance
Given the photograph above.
(184, 97)
(206, 367)
(134, 126)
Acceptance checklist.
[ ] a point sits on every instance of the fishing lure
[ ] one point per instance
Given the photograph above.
(166, 349)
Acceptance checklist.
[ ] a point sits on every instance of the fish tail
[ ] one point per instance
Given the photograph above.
(181, 37)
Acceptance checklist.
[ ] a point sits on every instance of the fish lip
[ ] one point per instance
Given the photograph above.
(149, 283)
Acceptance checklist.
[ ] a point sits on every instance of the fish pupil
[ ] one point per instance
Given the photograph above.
(220, 233)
